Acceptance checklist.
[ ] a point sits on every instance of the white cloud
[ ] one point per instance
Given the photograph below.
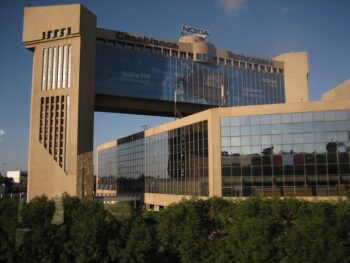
(2, 132)
(231, 6)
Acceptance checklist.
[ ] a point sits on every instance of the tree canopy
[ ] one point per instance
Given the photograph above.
(215, 230)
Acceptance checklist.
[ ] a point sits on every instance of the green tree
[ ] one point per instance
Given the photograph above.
(41, 243)
(221, 215)
(70, 204)
(214, 230)
(142, 244)
(341, 250)
(184, 230)
(88, 233)
(38, 213)
(315, 235)
(255, 228)
(7, 182)
(8, 225)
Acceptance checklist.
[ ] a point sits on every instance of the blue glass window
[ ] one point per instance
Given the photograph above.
(147, 75)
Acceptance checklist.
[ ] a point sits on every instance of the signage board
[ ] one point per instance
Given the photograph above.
(191, 30)
(145, 40)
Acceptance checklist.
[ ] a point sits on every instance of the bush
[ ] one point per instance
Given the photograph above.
(8, 225)
(215, 230)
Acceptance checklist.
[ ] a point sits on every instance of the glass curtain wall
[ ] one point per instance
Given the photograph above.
(176, 162)
(132, 73)
(173, 162)
(303, 154)
(107, 164)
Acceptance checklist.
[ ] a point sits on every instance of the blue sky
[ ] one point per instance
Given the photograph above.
(258, 27)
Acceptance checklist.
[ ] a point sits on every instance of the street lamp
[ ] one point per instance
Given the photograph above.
(3, 190)
(4, 168)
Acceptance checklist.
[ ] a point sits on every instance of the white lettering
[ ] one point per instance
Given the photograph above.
(135, 75)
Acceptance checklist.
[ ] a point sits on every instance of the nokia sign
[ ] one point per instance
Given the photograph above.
(190, 30)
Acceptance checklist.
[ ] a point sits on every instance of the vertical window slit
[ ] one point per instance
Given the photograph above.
(64, 84)
(43, 84)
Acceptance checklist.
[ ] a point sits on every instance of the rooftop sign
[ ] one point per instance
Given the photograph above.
(190, 30)
(145, 40)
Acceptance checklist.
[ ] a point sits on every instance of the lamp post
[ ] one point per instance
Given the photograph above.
(3, 190)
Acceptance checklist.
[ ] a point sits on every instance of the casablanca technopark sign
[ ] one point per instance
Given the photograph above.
(190, 30)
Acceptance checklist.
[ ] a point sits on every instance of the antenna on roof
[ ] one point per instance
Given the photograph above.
(177, 113)
(222, 96)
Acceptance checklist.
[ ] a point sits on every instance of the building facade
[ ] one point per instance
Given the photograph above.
(18, 176)
(79, 68)
(296, 149)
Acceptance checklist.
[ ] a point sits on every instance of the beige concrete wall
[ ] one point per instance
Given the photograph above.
(203, 48)
(296, 72)
(86, 103)
(340, 92)
(45, 175)
(44, 18)
(283, 108)
(107, 145)
(214, 153)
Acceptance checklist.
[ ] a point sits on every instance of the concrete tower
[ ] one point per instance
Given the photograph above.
(62, 39)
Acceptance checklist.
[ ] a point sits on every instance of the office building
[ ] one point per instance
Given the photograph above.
(292, 149)
(19, 177)
(79, 68)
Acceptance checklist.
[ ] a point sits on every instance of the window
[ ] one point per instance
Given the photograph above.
(166, 52)
(55, 33)
(120, 44)
(63, 32)
(307, 154)
(148, 49)
(129, 46)
(110, 43)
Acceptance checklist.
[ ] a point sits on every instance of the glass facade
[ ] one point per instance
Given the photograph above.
(303, 154)
(142, 74)
(121, 168)
(173, 162)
